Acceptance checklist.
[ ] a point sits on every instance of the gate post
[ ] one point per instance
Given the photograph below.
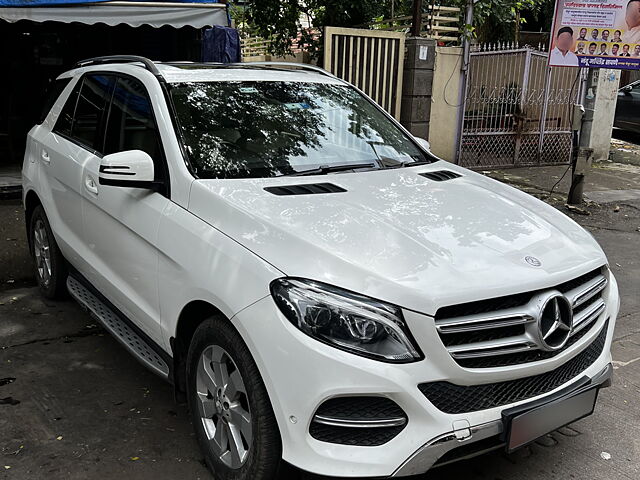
(543, 114)
(417, 85)
(521, 116)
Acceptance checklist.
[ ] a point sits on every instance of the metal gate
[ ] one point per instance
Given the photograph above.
(372, 60)
(517, 111)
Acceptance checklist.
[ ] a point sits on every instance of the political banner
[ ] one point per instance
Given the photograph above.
(596, 34)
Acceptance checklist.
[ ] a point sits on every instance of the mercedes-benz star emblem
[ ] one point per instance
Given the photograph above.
(555, 323)
(533, 261)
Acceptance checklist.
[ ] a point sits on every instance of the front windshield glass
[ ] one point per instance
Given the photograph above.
(266, 129)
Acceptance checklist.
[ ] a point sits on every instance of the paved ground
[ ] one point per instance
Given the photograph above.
(10, 180)
(625, 147)
(75, 405)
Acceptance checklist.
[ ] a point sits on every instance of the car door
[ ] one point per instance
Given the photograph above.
(627, 116)
(121, 223)
(63, 151)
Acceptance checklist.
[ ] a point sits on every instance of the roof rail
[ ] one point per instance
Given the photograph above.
(302, 66)
(148, 64)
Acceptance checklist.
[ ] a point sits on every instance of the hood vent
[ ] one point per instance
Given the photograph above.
(308, 189)
(440, 175)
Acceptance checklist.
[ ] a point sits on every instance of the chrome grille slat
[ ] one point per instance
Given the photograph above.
(586, 316)
(508, 336)
(585, 292)
(484, 349)
(501, 318)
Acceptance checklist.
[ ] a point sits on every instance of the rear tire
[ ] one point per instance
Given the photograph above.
(50, 266)
(230, 408)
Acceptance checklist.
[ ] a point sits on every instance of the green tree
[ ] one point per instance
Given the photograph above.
(282, 21)
(500, 20)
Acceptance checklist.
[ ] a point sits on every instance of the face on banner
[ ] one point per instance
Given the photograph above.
(596, 34)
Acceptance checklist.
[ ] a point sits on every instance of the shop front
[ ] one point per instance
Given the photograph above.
(42, 38)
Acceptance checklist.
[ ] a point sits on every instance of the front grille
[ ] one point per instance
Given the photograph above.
(336, 419)
(451, 398)
(502, 331)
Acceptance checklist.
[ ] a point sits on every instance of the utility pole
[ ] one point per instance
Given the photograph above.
(581, 160)
(466, 47)
(416, 25)
(464, 73)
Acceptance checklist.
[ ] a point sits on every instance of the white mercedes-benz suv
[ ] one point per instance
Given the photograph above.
(314, 283)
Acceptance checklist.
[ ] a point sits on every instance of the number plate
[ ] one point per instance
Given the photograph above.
(527, 426)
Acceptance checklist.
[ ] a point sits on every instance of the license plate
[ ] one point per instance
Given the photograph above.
(523, 428)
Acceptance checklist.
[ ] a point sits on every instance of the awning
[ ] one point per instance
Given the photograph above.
(133, 13)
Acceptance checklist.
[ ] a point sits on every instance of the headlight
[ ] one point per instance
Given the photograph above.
(345, 320)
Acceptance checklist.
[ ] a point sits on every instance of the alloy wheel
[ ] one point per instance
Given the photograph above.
(42, 251)
(224, 406)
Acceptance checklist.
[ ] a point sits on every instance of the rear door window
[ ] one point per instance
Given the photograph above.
(65, 119)
(53, 92)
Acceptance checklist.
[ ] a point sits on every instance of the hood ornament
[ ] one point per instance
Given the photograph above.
(533, 261)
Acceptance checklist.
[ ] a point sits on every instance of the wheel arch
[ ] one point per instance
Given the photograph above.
(31, 201)
(191, 316)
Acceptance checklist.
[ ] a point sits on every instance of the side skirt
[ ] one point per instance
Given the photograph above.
(146, 351)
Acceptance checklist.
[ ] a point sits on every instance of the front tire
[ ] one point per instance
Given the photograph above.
(51, 268)
(230, 408)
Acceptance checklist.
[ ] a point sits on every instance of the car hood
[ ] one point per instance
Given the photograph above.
(403, 238)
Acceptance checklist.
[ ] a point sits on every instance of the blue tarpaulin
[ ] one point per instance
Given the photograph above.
(220, 44)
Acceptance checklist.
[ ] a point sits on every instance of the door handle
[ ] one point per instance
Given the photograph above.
(45, 157)
(90, 185)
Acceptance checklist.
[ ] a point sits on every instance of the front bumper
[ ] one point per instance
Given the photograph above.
(301, 373)
(435, 450)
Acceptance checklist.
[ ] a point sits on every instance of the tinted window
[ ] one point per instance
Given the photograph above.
(94, 94)
(131, 124)
(263, 129)
(65, 119)
(53, 92)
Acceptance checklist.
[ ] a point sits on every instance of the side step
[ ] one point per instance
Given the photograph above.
(118, 328)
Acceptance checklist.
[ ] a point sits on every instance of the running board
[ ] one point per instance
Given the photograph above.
(126, 335)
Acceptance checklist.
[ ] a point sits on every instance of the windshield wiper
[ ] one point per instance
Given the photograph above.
(324, 169)
(407, 163)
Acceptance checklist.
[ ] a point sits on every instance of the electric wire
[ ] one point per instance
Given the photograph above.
(571, 114)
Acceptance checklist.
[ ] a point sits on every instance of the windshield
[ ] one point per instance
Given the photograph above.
(266, 129)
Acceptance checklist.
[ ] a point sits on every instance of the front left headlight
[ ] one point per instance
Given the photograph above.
(346, 320)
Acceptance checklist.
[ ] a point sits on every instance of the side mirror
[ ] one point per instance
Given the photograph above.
(132, 168)
(626, 89)
(423, 143)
